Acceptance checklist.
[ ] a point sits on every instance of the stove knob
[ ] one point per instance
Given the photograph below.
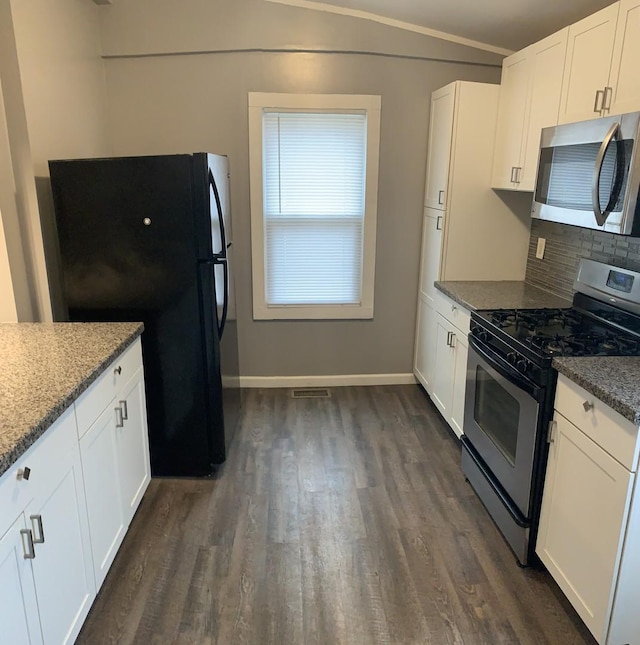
(483, 335)
(512, 357)
(523, 365)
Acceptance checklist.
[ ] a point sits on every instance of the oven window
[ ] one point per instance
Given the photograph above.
(497, 413)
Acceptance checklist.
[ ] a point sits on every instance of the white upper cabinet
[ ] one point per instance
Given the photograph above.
(588, 64)
(529, 101)
(624, 79)
(601, 67)
(512, 114)
(545, 85)
(439, 155)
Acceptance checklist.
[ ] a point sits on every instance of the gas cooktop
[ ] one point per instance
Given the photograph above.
(562, 332)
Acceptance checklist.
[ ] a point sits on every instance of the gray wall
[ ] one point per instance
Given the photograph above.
(187, 102)
(564, 248)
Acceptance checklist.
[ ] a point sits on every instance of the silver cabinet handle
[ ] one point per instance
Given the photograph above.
(28, 551)
(125, 410)
(518, 173)
(119, 419)
(38, 536)
(23, 473)
(599, 100)
(449, 339)
(118, 370)
(454, 308)
(550, 429)
(513, 172)
(453, 338)
(439, 223)
(587, 405)
(606, 99)
(441, 197)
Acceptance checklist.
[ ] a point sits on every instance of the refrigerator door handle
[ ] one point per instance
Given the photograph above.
(212, 186)
(225, 303)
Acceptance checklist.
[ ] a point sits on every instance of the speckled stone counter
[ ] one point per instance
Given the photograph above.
(500, 295)
(44, 368)
(614, 380)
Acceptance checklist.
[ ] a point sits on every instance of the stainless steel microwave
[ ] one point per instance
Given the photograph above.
(589, 174)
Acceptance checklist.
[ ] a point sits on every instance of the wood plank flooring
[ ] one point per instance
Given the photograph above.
(339, 520)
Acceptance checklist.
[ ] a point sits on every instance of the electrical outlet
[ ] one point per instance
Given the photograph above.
(542, 242)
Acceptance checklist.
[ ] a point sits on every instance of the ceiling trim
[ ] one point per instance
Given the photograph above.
(399, 24)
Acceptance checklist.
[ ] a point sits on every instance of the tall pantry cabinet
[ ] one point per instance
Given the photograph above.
(469, 233)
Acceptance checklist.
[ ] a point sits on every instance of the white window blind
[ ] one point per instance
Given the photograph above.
(314, 168)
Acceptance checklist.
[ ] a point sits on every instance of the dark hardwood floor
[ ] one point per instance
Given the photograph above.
(340, 520)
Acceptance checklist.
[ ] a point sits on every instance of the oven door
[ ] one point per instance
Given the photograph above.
(501, 420)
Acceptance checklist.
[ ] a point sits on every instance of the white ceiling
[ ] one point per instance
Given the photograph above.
(509, 24)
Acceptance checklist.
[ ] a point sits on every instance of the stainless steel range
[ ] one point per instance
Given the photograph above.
(511, 385)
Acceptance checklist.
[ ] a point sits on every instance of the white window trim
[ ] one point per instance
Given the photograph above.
(259, 101)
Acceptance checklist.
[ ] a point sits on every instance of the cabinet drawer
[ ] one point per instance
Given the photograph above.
(92, 402)
(42, 459)
(456, 314)
(609, 429)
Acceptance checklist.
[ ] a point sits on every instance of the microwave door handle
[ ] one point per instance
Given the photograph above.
(601, 217)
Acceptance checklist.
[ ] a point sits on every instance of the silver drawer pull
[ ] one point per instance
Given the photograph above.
(23, 473)
(587, 405)
(38, 536)
(125, 410)
(119, 419)
(118, 370)
(28, 550)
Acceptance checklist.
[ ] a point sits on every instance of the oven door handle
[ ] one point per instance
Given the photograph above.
(505, 370)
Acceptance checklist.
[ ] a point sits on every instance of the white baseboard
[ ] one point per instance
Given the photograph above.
(338, 380)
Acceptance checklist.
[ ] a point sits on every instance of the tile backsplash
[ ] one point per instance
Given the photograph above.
(566, 245)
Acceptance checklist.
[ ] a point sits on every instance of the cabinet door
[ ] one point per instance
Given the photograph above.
(584, 508)
(588, 64)
(625, 80)
(62, 568)
(18, 606)
(444, 366)
(439, 150)
(425, 344)
(433, 223)
(546, 63)
(512, 114)
(133, 445)
(98, 452)
(461, 349)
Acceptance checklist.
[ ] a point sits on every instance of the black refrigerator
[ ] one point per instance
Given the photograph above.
(149, 239)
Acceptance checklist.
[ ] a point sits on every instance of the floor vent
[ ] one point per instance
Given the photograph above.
(310, 393)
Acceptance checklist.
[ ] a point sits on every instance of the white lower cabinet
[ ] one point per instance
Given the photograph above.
(585, 524)
(446, 349)
(132, 444)
(65, 506)
(18, 605)
(459, 382)
(62, 568)
(102, 486)
(425, 343)
(47, 549)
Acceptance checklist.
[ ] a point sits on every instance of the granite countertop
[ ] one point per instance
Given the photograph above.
(507, 294)
(44, 367)
(615, 380)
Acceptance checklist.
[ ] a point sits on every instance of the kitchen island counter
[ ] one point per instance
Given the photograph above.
(44, 368)
(615, 380)
(504, 294)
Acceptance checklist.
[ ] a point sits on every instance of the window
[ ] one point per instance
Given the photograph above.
(314, 184)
